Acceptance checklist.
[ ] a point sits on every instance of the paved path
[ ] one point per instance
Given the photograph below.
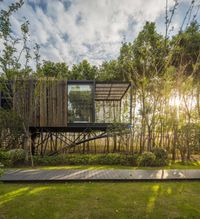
(37, 175)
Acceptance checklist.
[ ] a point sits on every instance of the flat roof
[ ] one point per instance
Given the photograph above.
(110, 91)
(106, 90)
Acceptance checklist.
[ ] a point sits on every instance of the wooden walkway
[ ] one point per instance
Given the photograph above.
(38, 175)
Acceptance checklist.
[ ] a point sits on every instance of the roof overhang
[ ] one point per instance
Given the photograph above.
(111, 91)
(106, 90)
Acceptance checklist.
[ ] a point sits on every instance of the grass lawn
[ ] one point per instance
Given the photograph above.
(177, 165)
(100, 200)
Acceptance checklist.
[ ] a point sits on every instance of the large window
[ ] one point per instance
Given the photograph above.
(80, 103)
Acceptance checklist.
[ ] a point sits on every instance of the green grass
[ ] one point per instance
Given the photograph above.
(100, 200)
(177, 165)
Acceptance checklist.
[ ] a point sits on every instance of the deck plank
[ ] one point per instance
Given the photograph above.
(97, 175)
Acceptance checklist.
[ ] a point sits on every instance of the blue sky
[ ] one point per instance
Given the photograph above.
(72, 30)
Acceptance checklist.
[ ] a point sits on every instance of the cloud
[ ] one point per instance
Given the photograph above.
(70, 31)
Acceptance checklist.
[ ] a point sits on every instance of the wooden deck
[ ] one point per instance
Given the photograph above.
(38, 175)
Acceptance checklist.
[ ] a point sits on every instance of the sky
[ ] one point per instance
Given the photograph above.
(72, 30)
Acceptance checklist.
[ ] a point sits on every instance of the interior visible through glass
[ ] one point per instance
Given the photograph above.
(80, 104)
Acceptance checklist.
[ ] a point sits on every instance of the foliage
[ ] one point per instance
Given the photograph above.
(146, 159)
(15, 60)
(14, 48)
(4, 158)
(109, 70)
(149, 51)
(81, 104)
(188, 139)
(12, 157)
(161, 156)
(51, 69)
(1, 170)
(83, 71)
(86, 159)
(187, 47)
(16, 156)
(11, 127)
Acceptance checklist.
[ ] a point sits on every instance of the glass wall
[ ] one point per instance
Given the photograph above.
(80, 103)
(107, 111)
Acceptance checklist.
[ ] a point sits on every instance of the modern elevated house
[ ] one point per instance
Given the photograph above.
(49, 105)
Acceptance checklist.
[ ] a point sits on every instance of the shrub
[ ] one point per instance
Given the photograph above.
(76, 159)
(160, 153)
(48, 160)
(108, 159)
(161, 156)
(146, 159)
(12, 157)
(86, 159)
(1, 170)
(129, 160)
(4, 158)
(160, 162)
(17, 156)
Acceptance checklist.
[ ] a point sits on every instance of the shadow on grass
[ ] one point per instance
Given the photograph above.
(100, 200)
(12, 195)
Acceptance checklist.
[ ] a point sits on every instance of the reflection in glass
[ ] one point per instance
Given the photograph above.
(80, 103)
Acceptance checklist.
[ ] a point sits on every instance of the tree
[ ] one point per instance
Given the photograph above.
(126, 62)
(187, 49)
(10, 60)
(12, 69)
(109, 71)
(149, 51)
(83, 71)
(52, 69)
